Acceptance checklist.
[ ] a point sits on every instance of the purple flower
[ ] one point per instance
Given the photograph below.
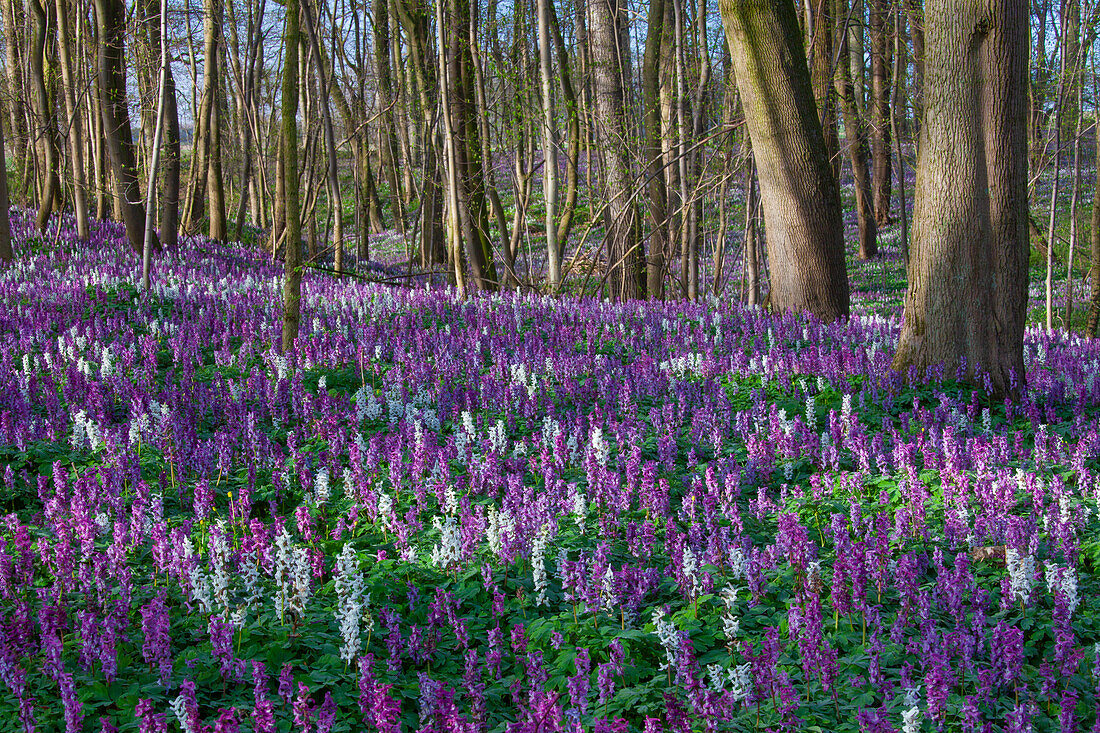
(303, 709)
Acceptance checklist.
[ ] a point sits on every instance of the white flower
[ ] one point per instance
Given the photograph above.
(910, 720)
(1021, 571)
(449, 550)
(538, 564)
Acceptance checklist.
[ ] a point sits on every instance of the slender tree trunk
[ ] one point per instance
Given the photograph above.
(573, 132)
(1094, 249)
(292, 262)
(625, 261)
(6, 253)
(154, 162)
(800, 196)
(549, 146)
(821, 76)
(389, 149)
(657, 224)
(856, 133)
(219, 229)
(116, 119)
(880, 108)
(72, 111)
(468, 176)
(332, 174)
(966, 304)
(41, 71)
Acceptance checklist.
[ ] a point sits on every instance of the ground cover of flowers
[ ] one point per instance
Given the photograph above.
(522, 514)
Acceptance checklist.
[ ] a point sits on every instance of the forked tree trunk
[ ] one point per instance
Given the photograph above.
(967, 297)
(800, 196)
(626, 273)
(111, 16)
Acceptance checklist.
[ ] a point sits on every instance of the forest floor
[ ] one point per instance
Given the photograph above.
(515, 513)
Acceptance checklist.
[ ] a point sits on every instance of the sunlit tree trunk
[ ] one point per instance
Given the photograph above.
(799, 194)
(967, 297)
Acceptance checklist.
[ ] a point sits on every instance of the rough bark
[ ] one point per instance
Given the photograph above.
(966, 303)
(800, 196)
(626, 272)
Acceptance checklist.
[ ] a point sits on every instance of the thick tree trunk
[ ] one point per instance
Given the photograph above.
(116, 119)
(967, 297)
(855, 131)
(625, 261)
(800, 196)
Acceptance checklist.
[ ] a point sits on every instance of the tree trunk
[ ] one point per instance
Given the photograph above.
(42, 74)
(657, 224)
(332, 174)
(6, 254)
(966, 304)
(800, 196)
(116, 119)
(292, 262)
(821, 76)
(880, 108)
(467, 176)
(549, 146)
(72, 110)
(625, 262)
(1094, 250)
(215, 186)
(855, 132)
